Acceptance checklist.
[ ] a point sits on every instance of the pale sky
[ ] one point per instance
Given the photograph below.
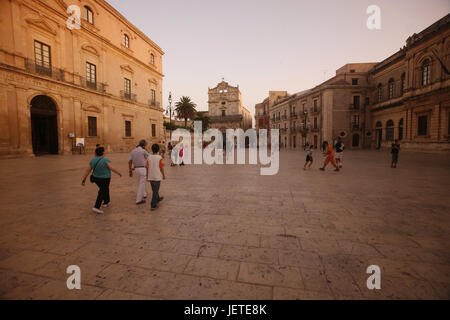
(265, 45)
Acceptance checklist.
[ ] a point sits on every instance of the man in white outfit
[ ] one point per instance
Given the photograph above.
(138, 159)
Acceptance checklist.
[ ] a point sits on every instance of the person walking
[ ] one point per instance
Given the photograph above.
(155, 174)
(330, 156)
(181, 154)
(101, 175)
(395, 149)
(309, 158)
(170, 148)
(138, 160)
(339, 152)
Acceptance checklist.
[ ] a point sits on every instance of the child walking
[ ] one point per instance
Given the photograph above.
(155, 173)
(309, 158)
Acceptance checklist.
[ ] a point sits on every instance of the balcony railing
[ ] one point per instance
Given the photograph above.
(315, 129)
(153, 103)
(355, 126)
(236, 117)
(293, 115)
(54, 73)
(355, 106)
(98, 86)
(283, 130)
(293, 130)
(303, 129)
(128, 96)
(284, 117)
(60, 75)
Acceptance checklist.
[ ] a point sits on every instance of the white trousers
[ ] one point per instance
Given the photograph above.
(141, 176)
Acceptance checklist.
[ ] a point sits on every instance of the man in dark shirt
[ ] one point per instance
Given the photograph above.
(395, 149)
(339, 152)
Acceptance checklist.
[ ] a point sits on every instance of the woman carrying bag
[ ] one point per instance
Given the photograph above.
(101, 176)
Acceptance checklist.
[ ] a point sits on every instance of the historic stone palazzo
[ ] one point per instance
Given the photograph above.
(262, 111)
(411, 96)
(225, 109)
(101, 82)
(337, 107)
(404, 97)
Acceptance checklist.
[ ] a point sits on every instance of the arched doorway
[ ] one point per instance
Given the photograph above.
(44, 125)
(355, 141)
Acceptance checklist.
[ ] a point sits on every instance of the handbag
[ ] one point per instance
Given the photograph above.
(92, 179)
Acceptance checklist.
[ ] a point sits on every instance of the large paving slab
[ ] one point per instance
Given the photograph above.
(226, 232)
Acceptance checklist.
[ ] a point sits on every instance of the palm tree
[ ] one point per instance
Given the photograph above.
(185, 109)
(201, 116)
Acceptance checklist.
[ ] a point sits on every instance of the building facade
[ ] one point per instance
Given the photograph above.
(225, 109)
(337, 107)
(411, 98)
(101, 81)
(369, 105)
(262, 111)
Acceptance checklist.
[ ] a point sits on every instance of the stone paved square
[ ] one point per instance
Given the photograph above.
(226, 232)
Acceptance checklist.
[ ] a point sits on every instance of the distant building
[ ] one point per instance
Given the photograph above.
(225, 109)
(262, 111)
(102, 82)
(334, 108)
(404, 97)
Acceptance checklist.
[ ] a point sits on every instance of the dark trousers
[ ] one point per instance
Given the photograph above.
(155, 188)
(395, 158)
(103, 191)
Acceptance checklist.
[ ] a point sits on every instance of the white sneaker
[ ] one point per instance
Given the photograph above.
(97, 210)
(105, 205)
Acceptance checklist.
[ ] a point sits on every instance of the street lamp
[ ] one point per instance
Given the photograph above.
(170, 107)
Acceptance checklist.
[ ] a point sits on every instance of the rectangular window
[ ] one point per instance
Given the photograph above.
(356, 100)
(152, 97)
(127, 88)
(355, 122)
(354, 82)
(92, 126)
(315, 123)
(153, 130)
(315, 105)
(127, 128)
(42, 57)
(422, 129)
(152, 58)
(88, 15)
(91, 74)
(403, 84)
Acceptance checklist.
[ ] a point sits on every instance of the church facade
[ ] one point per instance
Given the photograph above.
(225, 109)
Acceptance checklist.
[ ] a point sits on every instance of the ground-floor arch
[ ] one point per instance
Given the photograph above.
(355, 140)
(44, 125)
